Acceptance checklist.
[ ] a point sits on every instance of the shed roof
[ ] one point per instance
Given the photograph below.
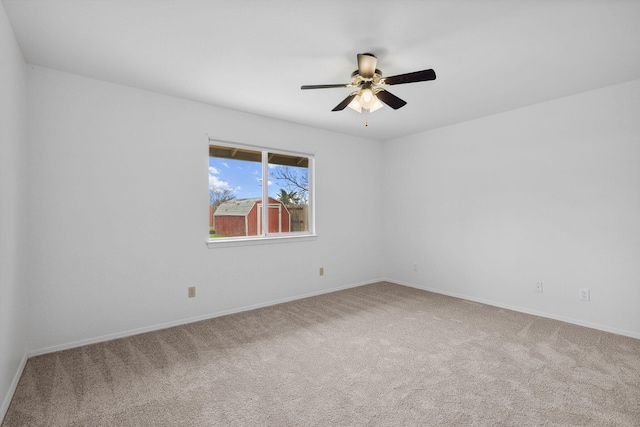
(236, 207)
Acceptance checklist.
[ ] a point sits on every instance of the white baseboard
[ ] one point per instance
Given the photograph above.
(166, 325)
(521, 309)
(12, 389)
(131, 332)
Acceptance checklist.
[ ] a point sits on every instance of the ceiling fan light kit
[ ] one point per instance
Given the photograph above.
(371, 95)
(365, 99)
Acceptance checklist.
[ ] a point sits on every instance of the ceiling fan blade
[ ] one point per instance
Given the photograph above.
(367, 65)
(390, 99)
(322, 86)
(416, 76)
(345, 102)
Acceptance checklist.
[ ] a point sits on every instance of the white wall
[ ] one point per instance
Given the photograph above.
(547, 193)
(13, 225)
(118, 212)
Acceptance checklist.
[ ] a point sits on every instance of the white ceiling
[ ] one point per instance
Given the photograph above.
(489, 56)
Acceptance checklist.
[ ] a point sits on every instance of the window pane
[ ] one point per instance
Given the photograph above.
(241, 206)
(235, 192)
(288, 193)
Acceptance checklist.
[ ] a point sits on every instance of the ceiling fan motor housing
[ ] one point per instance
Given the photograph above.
(357, 79)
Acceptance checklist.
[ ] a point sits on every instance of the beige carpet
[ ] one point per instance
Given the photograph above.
(376, 355)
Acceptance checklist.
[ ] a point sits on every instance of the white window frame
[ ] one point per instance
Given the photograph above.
(266, 237)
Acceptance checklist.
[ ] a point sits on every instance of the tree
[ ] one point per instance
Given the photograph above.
(288, 198)
(295, 180)
(219, 195)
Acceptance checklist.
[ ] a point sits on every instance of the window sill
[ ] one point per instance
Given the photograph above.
(251, 241)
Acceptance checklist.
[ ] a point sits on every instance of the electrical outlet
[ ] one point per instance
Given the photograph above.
(538, 287)
(192, 291)
(322, 271)
(585, 295)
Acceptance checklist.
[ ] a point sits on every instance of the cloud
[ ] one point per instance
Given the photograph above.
(215, 182)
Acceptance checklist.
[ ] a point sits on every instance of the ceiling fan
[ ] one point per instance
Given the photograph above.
(370, 83)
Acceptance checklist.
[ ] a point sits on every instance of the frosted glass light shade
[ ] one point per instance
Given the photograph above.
(365, 99)
(355, 104)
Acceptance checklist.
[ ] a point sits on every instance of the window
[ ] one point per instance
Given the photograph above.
(244, 179)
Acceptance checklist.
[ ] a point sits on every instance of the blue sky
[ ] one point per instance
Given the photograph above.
(243, 178)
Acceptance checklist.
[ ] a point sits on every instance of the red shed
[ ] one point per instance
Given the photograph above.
(243, 217)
